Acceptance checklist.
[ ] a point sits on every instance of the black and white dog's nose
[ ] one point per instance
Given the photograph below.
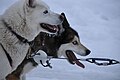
(88, 52)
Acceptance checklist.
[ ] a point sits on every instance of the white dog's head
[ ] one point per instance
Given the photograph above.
(39, 15)
(33, 17)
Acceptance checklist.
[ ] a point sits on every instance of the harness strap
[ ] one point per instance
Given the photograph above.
(8, 56)
(47, 64)
(22, 39)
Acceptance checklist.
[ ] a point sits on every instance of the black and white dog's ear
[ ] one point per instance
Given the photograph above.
(31, 3)
(65, 22)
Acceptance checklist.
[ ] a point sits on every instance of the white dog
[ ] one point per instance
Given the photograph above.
(19, 25)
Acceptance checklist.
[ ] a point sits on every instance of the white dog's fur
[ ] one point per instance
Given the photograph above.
(25, 21)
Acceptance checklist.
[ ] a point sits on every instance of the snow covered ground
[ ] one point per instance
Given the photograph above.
(98, 24)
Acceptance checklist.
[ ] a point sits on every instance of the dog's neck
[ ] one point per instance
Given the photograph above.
(19, 37)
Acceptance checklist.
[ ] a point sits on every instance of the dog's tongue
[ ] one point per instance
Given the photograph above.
(50, 28)
(73, 59)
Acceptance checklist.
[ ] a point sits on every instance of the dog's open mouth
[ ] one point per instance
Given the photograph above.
(73, 59)
(50, 28)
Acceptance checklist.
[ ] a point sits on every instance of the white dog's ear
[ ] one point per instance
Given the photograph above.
(31, 3)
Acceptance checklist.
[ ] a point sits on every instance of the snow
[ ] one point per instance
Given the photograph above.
(98, 24)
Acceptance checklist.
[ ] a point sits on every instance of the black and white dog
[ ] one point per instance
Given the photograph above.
(47, 45)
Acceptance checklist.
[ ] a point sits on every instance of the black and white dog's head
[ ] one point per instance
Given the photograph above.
(70, 44)
(70, 41)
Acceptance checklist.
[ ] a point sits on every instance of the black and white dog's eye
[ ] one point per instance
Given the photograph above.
(75, 43)
(45, 12)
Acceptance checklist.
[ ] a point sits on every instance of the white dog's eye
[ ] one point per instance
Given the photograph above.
(45, 12)
(75, 42)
